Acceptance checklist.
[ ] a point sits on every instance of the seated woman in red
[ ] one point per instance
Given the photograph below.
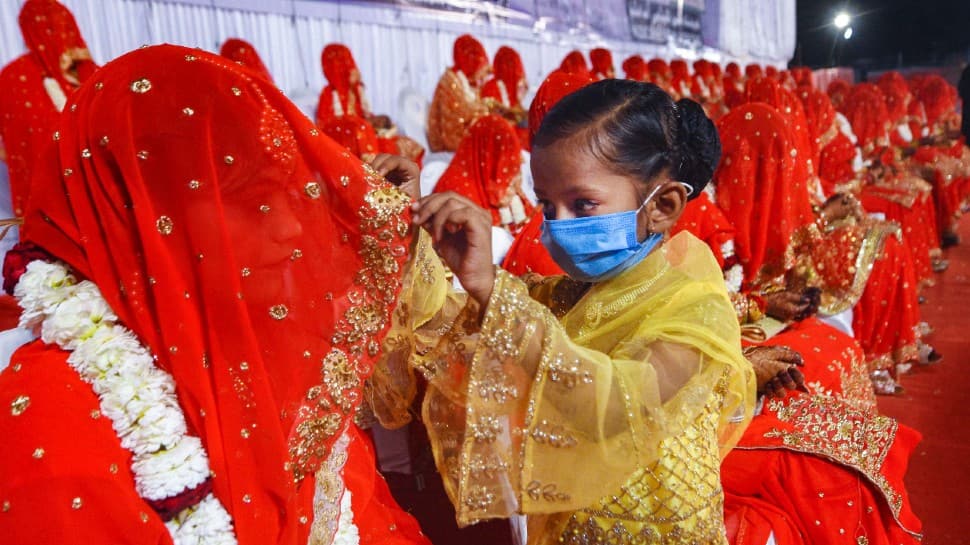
(602, 61)
(212, 278)
(527, 253)
(635, 68)
(804, 453)
(575, 63)
(891, 188)
(355, 134)
(487, 169)
(886, 317)
(763, 197)
(505, 92)
(943, 155)
(846, 246)
(457, 101)
(681, 80)
(659, 74)
(243, 53)
(344, 95)
(35, 88)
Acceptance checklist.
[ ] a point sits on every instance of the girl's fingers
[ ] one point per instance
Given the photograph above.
(450, 213)
(384, 164)
(428, 206)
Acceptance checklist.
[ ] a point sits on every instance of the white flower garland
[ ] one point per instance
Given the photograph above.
(347, 532)
(137, 396)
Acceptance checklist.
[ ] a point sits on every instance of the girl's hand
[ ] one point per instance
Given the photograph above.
(400, 171)
(462, 234)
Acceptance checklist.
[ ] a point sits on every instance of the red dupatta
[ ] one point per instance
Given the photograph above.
(896, 91)
(343, 94)
(820, 118)
(575, 63)
(602, 61)
(527, 253)
(253, 256)
(770, 92)
(835, 151)
(837, 91)
(865, 108)
(660, 74)
(760, 190)
(487, 167)
(703, 219)
(680, 79)
(53, 38)
(509, 75)
(557, 85)
(27, 108)
(244, 54)
(355, 134)
(939, 99)
(470, 58)
(635, 68)
(803, 76)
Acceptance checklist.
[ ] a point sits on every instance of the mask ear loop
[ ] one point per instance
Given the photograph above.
(690, 191)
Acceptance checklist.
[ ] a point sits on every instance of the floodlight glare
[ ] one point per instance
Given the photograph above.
(842, 20)
(848, 33)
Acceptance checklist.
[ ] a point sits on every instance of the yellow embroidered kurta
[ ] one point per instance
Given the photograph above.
(602, 414)
(454, 108)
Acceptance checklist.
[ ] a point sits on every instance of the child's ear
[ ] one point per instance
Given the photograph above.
(667, 206)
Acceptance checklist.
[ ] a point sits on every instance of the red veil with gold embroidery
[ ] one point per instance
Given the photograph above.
(487, 167)
(256, 259)
(770, 186)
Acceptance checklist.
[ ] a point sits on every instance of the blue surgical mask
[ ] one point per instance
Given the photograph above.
(597, 248)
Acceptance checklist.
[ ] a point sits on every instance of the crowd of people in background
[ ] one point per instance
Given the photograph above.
(828, 212)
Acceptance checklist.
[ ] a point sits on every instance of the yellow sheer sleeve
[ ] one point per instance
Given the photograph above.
(532, 414)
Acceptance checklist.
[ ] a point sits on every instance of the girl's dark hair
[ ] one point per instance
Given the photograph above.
(638, 130)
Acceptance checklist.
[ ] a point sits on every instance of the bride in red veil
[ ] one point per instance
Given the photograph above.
(256, 261)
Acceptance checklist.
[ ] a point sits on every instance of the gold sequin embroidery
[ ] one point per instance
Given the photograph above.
(141, 86)
(19, 405)
(165, 225)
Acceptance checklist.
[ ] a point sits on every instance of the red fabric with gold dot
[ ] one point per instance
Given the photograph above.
(243, 53)
(256, 258)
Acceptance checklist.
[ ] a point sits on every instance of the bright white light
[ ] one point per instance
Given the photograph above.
(842, 20)
(848, 33)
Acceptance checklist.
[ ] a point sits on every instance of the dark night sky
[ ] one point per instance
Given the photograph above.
(921, 31)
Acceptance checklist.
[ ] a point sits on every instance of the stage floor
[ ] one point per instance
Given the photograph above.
(937, 403)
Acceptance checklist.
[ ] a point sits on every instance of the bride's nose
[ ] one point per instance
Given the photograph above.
(283, 223)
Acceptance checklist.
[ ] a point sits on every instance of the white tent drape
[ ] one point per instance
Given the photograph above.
(396, 49)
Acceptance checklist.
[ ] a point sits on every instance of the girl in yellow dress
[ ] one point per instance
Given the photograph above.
(599, 404)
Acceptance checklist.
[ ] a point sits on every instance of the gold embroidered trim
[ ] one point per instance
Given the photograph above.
(825, 426)
(870, 250)
(382, 248)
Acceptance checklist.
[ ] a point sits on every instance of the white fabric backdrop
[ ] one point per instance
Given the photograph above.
(397, 50)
